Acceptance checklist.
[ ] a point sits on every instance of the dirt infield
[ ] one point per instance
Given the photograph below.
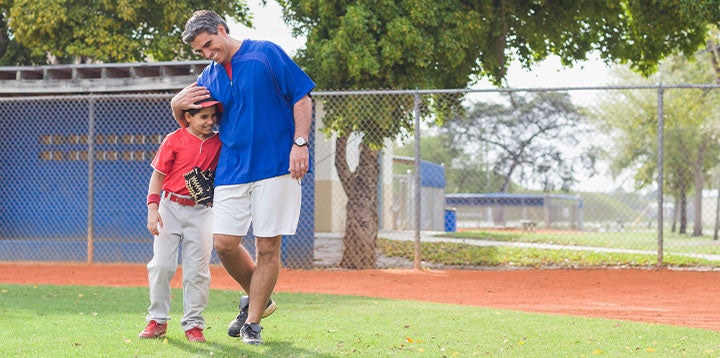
(683, 298)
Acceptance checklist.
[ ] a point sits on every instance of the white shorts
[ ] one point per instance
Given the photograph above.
(272, 206)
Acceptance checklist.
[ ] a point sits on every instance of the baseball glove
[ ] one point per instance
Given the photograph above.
(200, 184)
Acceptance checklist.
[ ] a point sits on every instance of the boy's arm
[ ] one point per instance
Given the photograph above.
(185, 99)
(154, 221)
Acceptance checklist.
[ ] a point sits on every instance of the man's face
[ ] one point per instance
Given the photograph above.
(213, 47)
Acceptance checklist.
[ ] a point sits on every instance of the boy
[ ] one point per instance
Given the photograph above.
(176, 218)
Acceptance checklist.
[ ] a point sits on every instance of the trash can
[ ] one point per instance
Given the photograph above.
(450, 220)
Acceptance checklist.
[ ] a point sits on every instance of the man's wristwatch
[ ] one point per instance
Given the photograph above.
(300, 142)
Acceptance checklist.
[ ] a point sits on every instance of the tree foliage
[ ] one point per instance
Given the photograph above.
(66, 31)
(441, 43)
(11, 52)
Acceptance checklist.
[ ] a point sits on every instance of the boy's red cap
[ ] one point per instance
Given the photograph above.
(210, 102)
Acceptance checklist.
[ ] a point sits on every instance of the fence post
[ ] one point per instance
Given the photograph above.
(91, 180)
(660, 211)
(418, 182)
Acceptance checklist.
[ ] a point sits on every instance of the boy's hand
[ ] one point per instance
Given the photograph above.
(154, 221)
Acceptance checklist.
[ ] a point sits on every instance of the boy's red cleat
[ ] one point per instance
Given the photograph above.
(154, 330)
(195, 334)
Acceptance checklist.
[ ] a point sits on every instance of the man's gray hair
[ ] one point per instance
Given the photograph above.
(203, 21)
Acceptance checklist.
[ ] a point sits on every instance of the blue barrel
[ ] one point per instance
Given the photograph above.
(450, 220)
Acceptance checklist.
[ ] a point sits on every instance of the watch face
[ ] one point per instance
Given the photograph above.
(300, 141)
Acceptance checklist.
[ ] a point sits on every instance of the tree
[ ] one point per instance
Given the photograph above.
(690, 133)
(712, 48)
(408, 44)
(101, 31)
(694, 115)
(536, 139)
(12, 53)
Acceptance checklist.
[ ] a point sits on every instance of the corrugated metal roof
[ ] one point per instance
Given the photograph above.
(99, 78)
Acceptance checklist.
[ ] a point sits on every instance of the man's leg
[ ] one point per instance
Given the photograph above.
(275, 212)
(265, 275)
(235, 258)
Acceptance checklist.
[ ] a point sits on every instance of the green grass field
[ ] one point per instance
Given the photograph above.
(679, 250)
(636, 240)
(82, 321)
(466, 255)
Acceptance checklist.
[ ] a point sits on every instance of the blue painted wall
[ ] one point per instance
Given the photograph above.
(45, 179)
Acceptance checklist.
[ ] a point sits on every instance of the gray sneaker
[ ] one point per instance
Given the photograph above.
(236, 325)
(250, 333)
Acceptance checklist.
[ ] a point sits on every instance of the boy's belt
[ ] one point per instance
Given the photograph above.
(185, 201)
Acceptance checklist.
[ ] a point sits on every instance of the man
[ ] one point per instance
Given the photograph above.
(264, 130)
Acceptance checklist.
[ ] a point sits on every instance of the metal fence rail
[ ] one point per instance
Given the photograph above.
(626, 168)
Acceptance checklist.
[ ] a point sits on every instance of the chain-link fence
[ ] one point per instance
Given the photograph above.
(625, 174)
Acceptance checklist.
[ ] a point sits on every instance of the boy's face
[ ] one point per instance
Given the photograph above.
(201, 124)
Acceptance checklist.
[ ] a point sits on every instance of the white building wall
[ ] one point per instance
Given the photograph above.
(330, 198)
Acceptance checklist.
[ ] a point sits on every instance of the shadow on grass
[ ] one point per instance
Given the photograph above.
(236, 348)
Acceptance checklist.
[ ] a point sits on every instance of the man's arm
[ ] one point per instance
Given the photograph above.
(302, 111)
(185, 99)
(300, 156)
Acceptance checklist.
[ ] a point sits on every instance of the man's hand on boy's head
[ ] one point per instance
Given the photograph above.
(188, 96)
(185, 99)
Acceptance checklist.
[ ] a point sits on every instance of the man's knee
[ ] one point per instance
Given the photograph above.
(267, 247)
(226, 244)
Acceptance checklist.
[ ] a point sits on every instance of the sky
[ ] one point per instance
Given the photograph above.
(268, 26)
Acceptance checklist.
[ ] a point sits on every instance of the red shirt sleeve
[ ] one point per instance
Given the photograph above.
(165, 156)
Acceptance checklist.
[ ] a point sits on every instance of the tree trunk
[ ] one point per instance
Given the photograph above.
(683, 211)
(4, 40)
(712, 50)
(676, 211)
(361, 227)
(699, 176)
